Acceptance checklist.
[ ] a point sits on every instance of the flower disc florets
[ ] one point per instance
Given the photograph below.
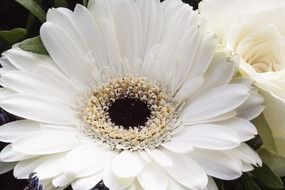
(148, 127)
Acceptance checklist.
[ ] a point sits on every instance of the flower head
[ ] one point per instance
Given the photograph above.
(134, 94)
(254, 29)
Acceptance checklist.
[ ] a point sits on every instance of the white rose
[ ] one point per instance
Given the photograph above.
(255, 29)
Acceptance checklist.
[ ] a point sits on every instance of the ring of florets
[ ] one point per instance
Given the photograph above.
(100, 124)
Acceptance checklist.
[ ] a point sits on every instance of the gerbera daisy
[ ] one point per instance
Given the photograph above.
(133, 94)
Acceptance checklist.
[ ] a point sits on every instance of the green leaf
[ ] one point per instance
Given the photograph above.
(249, 183)
(34, 8)
(267, 177)
(13, 36)
(276, 162)
(265, 132)
(220, 184)
(30, 21)
(34, 45)
(60, 3)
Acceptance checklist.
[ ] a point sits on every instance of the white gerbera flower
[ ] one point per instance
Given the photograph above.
(132, 94)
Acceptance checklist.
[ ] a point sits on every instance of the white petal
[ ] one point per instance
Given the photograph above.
(273, 15)
(5, 63)
(179, 17)
(27, 61)
(243, 81)
(274, 115)
(100, 9)
(189, 88)
(172, 184)
(135, 186)
(6, 166)
(37, 84)
(4, 93)
(112, 181)
(160, 157)
(127, 164)
(65, 19)
(210, 10)
(261, 40)
(90, 30)
(220, 72)
(50, 167)
(153, 177)
(247, 167)
(204, 56)
(225, 116)
(86, 182)
(216, 138)
(185, 54)
(246, 154)
(9, 155)
(11, 131)
(242, 127)
(46, 143)
(86, 160)
(252, 107)
(215, 102)
(218, 164)
(150, 59)
(111, 43)
(211, 185)
(145, 156)
(38, 109)
(152, 21)
(178, 146)
(187, 172)
(59, 80)
(67, 55)
(160, 60)
(128, 28)
(4, 70)
(61, 181)
(59, 128)
(24, 168)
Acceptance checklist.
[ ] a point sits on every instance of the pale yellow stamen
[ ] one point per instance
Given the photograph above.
(152, 134)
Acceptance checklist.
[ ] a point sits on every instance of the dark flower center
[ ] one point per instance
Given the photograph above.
(129, 112)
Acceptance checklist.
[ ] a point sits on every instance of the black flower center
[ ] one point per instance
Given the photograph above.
(129, 112)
